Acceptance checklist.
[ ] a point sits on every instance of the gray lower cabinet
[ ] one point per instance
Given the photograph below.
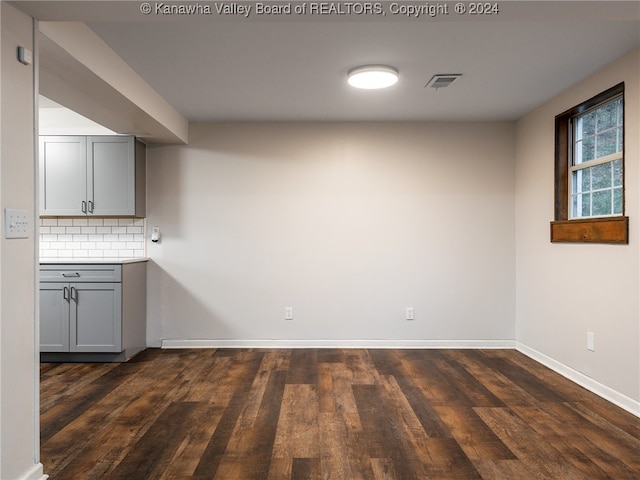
(92, 309)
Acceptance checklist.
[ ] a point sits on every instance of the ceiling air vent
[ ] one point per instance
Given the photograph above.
(442, 80)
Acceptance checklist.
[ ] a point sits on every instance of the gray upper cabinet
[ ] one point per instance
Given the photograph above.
(98, 176)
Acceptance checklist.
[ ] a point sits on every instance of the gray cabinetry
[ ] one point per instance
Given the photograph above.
(92, 309)
(99, 176)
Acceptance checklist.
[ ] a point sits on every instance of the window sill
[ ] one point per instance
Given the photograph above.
(592, 230)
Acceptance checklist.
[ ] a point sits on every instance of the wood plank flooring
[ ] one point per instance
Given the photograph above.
(329, 415)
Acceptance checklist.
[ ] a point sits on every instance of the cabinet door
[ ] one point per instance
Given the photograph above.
(63, 175)
(111, 175)
(96, 317)
(54, 317)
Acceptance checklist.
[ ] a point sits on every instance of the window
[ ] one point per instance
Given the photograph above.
(596, 163)
(589, 171)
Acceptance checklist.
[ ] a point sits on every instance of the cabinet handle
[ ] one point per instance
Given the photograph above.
(70, 274)
(74, 294)
(65, 293)
(90, 206)
(84, 207)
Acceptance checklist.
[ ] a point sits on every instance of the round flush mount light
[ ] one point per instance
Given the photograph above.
(372, 77)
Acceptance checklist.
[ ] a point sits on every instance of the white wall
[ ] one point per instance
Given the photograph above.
(567, 290)
(347, 223)
(19, 420)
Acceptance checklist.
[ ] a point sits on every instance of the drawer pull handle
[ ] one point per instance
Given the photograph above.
(70, 274)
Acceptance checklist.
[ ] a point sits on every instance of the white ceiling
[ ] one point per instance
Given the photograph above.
(288, 68)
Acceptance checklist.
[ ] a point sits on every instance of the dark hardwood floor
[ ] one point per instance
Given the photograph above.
(329, 414)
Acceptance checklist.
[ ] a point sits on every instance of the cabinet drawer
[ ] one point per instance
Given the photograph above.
(80, 273)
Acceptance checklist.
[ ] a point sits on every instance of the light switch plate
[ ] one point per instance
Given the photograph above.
(16, 223)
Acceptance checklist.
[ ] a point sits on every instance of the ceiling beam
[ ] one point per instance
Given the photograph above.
(81, 72)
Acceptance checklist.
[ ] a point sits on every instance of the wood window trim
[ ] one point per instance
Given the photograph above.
(583, 230)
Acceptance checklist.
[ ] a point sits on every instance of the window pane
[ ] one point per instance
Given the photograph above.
(617, 201)
(581, 205)
(617, 173)
(582, 180)
(586, 125)
(607, 143)
(585, 150)
(607, 116)
(601, 176)
(620, 112)
(619, 140)
(602, 203)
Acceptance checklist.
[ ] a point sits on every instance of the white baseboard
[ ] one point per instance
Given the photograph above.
(34, 473)
(613, 396)
(274, 343)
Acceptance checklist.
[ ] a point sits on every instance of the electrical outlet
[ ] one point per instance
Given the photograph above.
(409, 313)
(288, 313)
(591, 341)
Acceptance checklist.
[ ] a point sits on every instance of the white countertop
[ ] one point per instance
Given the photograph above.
(91, 261)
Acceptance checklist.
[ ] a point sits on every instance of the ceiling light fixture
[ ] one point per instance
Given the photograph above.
(373, 77)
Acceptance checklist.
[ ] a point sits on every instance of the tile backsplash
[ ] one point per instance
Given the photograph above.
(92, 237)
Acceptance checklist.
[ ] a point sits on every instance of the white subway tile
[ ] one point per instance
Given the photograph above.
(49, 222)
(125, 238)
(65, 222)
(45, 246)
(96, 222)
(72, 246)
(58, 245)
(49, 238)
(110, 222)
(125, 253)
(119, 230)
(134, 229)
(88, 230)
(88, 245)
(57, 230)
(134, 245)
(73, 229)
(65, 253)
(80, 253)
(118, 245)
(96, 253)
(43, 230)
(103, 230)
(138, 238)
(110, 253)
(49, 253)
(96, 238)
(138, 222)
(65, 238)
(103, 245)
(80, 222)
(138, 253)
(80, 238)
(125, 222)
(111, 238)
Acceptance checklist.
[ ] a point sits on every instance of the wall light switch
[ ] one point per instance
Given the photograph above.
(16, 223)
(288, 313)
(591, 341)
